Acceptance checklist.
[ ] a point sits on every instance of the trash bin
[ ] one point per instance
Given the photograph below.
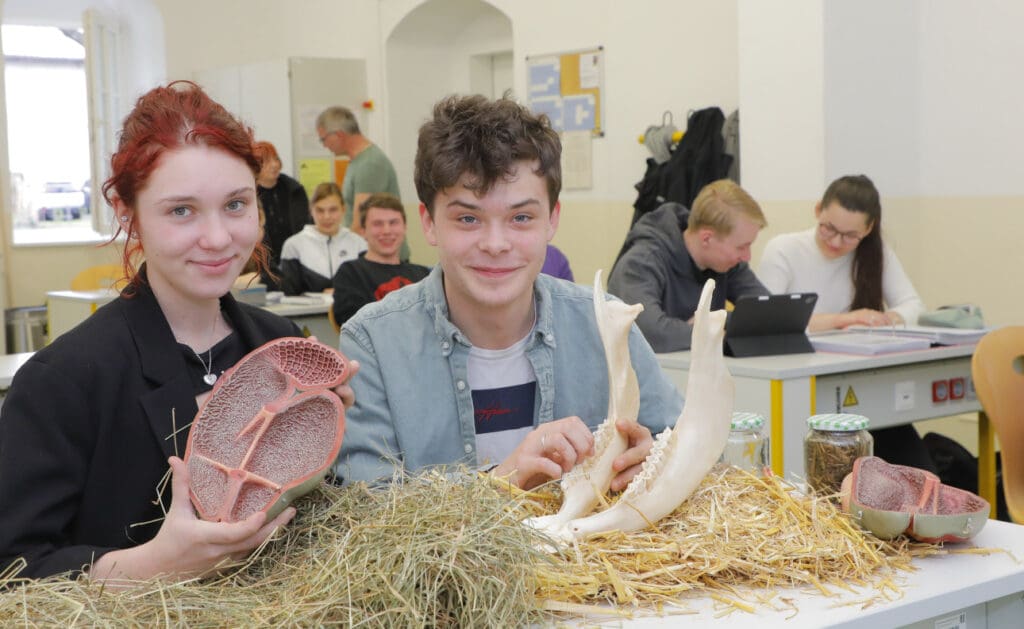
(26, 328)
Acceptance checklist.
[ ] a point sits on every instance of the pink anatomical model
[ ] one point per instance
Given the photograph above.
(268, 432)
(890, 500)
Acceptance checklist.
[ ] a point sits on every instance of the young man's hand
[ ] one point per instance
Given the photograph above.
(547, 452)
(628, 463)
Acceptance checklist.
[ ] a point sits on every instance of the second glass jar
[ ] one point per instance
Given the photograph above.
(833, 443)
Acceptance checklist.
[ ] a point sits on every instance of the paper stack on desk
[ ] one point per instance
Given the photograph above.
(935, 335)
(875, 341)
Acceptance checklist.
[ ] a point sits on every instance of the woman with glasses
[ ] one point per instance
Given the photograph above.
(858, 279)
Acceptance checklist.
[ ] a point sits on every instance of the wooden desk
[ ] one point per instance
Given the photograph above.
(985, 590)
(889, 389)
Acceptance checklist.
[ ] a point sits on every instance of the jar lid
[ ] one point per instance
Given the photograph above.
(837, 421)
(746, 421)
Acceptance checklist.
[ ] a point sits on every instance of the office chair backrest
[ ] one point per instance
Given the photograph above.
(98, 277)
(998, 371)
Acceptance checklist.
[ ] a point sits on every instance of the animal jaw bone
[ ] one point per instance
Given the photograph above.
(681, 456)
(586, 483)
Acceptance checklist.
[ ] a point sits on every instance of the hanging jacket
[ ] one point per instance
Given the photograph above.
(310, 258)
(697, 160)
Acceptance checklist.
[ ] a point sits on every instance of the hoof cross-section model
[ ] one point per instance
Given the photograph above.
(890, 500)
(269, 430)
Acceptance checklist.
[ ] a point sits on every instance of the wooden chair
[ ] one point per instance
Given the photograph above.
(998, 371)
(330, 317)
(99, 277)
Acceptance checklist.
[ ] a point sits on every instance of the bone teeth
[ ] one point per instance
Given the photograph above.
(680, 457)
(584, 485)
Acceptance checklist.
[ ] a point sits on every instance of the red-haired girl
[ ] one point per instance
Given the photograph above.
(92, 420)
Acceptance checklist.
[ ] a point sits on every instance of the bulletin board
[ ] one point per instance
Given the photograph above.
(569, 88)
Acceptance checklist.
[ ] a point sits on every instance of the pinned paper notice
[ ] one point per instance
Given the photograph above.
(577, 160)
(313, 172)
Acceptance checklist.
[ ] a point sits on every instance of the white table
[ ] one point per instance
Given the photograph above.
(889, 389)
(311, 317)
(9, 365)
(986, 590)
(68, 308)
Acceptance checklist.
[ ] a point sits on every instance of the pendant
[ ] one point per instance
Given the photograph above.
(210, 378)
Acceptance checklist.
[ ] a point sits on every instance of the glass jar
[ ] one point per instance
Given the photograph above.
(747, 447)
(833, 443)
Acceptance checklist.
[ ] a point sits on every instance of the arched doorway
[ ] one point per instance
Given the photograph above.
(439, 48)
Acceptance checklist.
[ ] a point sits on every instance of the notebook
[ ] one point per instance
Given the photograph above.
(767, 325)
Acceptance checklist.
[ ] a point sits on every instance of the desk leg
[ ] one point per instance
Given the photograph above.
(777, 430)
(987, 462)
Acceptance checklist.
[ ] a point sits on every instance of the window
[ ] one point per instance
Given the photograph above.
(48, 127)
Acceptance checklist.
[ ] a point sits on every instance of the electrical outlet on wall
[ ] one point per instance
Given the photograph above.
(904, 396)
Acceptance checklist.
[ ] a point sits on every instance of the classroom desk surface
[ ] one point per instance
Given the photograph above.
(67, 308)
(986, 589)
(9, 365)
(818, 363)
(298, 306)
(890, 389)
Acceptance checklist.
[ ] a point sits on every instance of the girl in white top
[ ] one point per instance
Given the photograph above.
(858, 279)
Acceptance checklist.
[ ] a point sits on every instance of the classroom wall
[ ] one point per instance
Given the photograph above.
(661, 55)
(428, 53)
(918, 94)
(914, 94)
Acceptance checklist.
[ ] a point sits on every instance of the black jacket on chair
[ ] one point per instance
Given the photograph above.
(86, 429)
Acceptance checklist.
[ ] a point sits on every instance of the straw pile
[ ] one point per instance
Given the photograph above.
(448, 550)
(430, 551)
(738, 538)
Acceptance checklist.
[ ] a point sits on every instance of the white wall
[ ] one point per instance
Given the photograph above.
(674, 55)
(428, 56)
(660, 55)
(972, 97)
(872, 93)
(781, 98)
(920, 95)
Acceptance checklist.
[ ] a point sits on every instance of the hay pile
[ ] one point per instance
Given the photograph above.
(449, 551)
(432, 551)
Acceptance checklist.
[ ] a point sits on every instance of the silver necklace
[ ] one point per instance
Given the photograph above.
(209, 378)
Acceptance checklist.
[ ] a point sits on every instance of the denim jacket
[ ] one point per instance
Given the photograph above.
(413, 403)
